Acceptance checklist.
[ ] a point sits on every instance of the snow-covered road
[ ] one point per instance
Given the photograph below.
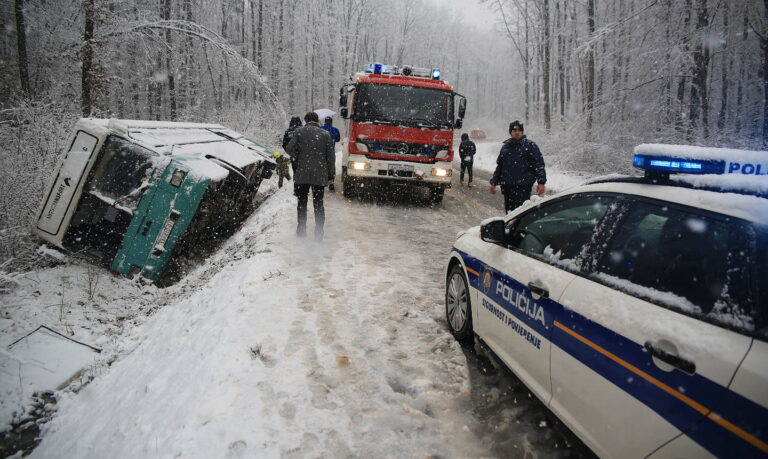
(297, 348)
(279, 346)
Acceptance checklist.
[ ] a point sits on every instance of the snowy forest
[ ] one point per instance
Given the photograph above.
(603, 75)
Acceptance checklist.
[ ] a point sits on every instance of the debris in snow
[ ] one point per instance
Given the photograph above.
(46, 251)
(342, 360)
(543, 424)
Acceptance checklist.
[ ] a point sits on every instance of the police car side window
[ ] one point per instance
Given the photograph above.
(559, 231)
(687, 260)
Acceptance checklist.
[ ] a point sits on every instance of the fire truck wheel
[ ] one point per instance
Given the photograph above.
(348, 188)
(458, 309)
(436, 194)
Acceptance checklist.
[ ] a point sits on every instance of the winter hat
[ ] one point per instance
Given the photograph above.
(295, 122)
(464, 137)
(328, 119)
(516, 125)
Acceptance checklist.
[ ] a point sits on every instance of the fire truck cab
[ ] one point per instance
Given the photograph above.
(400, 124)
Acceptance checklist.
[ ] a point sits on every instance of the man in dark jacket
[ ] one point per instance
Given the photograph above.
(335, 136)
(467, 152)
(314, 166)
(519, 164)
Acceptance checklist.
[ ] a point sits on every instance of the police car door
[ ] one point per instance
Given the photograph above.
(522, 280)
(639, 355)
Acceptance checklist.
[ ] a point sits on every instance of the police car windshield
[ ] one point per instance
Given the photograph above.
(403, 105)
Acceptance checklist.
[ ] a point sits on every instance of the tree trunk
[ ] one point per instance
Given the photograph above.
(764, 47)
(86, 102)
(546, 66)
(699, 97)
(561, 61)
(682, 124)
(168, 62)
(724, 78)
(590, 76)
(21, 46)
(260, 36)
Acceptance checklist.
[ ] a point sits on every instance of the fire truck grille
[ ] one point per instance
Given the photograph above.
(402, 148)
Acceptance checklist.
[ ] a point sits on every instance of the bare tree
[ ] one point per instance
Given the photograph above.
(86, 103)
(21, 46)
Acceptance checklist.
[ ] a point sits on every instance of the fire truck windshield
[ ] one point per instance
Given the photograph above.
(403, 105)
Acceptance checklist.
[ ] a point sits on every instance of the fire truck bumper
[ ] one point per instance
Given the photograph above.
(360, 168)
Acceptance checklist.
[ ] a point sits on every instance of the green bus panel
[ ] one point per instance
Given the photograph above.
(160, 220)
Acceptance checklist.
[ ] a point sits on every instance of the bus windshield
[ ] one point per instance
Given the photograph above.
(403, 106)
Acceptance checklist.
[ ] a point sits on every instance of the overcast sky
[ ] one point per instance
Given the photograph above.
(473, 12)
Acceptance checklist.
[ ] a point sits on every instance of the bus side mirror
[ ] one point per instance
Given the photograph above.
(493, 231)
(344, 112)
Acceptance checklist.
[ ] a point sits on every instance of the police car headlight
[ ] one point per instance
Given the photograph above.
(361, 147)
(359, 166)
(442, 154)
(440, 172)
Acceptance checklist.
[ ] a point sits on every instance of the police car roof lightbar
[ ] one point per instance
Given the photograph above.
(665, 165)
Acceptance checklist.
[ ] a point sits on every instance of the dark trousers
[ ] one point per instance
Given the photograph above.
(468, 167)
(302, 192)
(515, 195)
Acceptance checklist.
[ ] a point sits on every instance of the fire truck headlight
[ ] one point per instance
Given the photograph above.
(441, 154)
(359, 166)
(361, 147)
(440, 172)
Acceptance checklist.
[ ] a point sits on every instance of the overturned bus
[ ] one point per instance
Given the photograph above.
(135, 194)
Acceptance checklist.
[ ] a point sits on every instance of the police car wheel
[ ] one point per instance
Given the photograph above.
(458, 310)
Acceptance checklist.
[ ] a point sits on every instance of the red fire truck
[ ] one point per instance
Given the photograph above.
(400, 124)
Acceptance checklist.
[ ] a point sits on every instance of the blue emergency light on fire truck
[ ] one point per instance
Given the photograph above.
(400, 123)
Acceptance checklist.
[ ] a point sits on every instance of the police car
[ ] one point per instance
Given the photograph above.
(635, 308)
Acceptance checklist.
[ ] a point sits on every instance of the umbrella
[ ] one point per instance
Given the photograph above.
(323, 112)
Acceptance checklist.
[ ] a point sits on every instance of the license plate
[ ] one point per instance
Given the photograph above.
(164, 233)
(400, 168)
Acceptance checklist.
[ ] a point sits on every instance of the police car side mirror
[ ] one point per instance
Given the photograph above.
(493, 231)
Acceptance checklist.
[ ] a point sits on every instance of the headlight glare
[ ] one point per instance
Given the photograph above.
(359, 166)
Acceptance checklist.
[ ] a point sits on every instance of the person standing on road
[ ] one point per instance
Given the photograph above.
(519, 164)
(314, 162)
(293, 125)
(467, 152)
(335, 136)
(283, 171)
